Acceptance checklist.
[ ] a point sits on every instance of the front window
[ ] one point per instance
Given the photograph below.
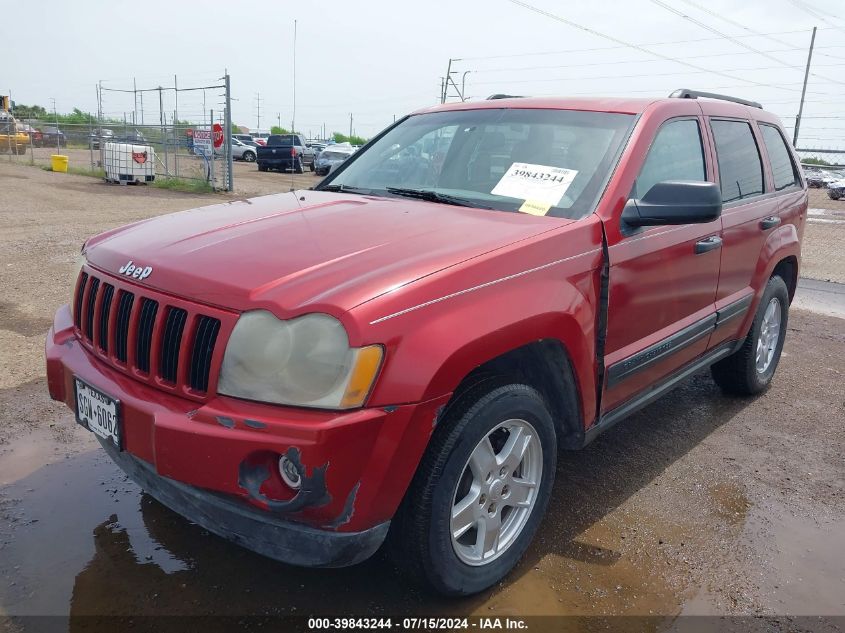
(543, 162)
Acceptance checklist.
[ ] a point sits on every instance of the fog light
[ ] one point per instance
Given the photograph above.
(289, 473)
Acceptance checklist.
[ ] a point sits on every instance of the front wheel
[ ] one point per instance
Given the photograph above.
(750, 369)
(833, 194)
(249, 157)
(480, 491)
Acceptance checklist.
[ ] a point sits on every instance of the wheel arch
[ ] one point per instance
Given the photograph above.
(544, 365)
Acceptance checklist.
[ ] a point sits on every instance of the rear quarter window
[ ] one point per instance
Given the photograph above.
(784, 171)
(740, 166)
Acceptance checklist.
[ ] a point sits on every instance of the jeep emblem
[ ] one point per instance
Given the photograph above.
(136, 272)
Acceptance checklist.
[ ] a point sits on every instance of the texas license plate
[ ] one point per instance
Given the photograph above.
(98, 412)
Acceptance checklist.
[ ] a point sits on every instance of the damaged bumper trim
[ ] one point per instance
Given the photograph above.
(262, 532)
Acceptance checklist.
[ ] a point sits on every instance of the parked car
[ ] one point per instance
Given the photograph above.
(836, 189)
(331, 157)
(407, 346)
(245, 138)
(98, 137)
(821, 178)
(242, 151)
(33, 134)
(285, 152)
(52, 136)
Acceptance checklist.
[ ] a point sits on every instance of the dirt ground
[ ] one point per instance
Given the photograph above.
(700, 504)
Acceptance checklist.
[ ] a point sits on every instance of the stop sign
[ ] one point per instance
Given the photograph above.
(218, 135)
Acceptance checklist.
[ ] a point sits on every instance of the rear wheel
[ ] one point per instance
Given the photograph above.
(480, 491)
(749, 370)
(833, 194)
(249, 157)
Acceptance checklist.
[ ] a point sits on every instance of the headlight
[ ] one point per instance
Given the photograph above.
(306, 362)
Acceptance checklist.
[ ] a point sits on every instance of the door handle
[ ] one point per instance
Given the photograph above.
(770, 222)
(708, 244)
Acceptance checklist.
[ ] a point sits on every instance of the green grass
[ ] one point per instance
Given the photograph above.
(80, 171)
(183, 184)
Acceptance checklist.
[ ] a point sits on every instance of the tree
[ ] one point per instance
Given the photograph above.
(29, 111)
(236, 129)
(814, 161)
(352, 140)
(279, 130)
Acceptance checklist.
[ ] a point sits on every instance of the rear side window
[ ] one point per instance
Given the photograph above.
(675, 154)
(740, 167)
(783, 169)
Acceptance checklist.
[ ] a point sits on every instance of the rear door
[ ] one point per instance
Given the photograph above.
(662, 280)
(753, 206)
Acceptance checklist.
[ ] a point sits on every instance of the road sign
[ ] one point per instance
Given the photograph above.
(218, 135)
(202, 142)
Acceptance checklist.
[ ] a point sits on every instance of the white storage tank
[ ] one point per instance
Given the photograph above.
(125, 162)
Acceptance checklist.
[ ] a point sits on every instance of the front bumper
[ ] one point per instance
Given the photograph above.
(249, 527)
(216, 461)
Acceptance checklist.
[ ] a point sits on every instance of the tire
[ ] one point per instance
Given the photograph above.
(833, 194)
(743, 373)
(421, 539)
(262, 167)
(311, 167)
(298, 167)
(249, 157)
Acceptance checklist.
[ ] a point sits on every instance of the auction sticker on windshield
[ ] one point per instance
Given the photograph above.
(97, 412)
(538, 183)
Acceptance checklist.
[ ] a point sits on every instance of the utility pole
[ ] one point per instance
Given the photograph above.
(227, 136)
(293, 115)
(258, 111)
(446, 81)
(134, 101)
(55, 116)
(803, 90)
(350, 126)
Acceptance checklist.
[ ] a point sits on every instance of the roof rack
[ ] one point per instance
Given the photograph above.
(685, 93)
(503, 96)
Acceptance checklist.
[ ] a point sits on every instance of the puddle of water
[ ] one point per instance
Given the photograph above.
(81, 539)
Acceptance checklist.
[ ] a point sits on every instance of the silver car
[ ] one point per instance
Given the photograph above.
(331, 157)
(242, 151)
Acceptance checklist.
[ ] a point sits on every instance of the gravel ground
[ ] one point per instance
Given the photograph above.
(700, 504)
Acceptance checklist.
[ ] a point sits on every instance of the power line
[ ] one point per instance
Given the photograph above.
(736, 41)
(611, 48)
(637, 47)
(637, 61)
(651, 74)
(752, 32)
(816, 13)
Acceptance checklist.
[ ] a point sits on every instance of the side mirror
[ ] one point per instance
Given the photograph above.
(675, 202)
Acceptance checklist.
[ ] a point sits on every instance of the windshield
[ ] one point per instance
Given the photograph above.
(543, 162)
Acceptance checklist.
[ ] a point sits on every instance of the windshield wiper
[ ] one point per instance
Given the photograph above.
(433, 196)
(345, 189)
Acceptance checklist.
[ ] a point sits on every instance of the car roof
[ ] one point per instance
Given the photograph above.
(622, 105)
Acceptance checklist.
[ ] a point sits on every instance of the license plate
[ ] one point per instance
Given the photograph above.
(98, 412)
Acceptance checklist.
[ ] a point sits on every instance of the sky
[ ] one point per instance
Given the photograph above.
(377, 60)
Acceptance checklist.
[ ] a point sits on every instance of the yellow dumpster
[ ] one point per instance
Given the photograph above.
(58, 162)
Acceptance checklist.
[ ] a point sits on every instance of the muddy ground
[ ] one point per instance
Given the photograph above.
(700, 504)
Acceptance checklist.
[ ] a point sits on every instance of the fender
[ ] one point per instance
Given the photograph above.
(781, 243)
(433, 349)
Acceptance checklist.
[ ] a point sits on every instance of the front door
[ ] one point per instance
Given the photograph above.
(662, 280)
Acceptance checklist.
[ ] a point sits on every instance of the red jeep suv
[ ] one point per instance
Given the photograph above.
(400, 353)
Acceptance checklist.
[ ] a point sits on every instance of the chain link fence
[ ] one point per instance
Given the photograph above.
(179, 144)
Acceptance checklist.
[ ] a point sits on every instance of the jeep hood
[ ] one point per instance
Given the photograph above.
(305, 250)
